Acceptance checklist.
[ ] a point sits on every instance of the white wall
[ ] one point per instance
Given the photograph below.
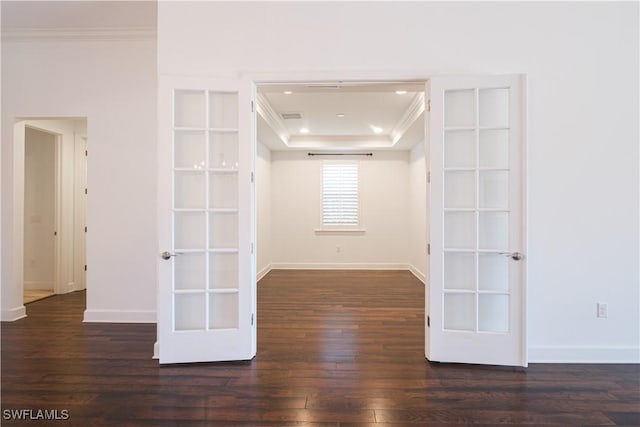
(582, 131)
(296, 184)
(112, 82)
(417, 211)
(39, 209)
(263, 210)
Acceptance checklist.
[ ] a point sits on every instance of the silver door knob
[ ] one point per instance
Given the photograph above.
(167, 255)
(516, 256)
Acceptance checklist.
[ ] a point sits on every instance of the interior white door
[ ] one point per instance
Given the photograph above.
(206, 295)
(476, 299)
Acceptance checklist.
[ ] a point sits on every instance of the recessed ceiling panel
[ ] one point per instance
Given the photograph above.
(341, 113)
(374, 115)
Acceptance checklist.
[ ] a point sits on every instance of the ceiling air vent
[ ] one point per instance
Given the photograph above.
(290, 116)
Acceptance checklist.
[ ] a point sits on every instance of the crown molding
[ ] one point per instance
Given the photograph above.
(79, 34)
(408, 118)
(272, 118)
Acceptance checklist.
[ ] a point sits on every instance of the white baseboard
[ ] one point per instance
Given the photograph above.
(338, 266)
(41, 286)
(344, 266)
(156, 351)
(584, 354)
(12, 314)
(419, 274)
(69, 287)
(49, 286)
(120, 316)
(263, 272)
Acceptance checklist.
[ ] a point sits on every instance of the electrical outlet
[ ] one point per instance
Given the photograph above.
(603, 310)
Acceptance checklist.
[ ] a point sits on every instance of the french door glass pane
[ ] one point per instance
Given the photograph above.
(223, 230)
(223, 271)
(493, 313)
(460, 230)
(189, 230)
(223, 150)
(459, 311)
(189, 311)
(189, 149)
(494, 231)
(494, 148)
(494, 107)
(223, 310)
(223, 110)
(476, 138)
(459, 270)
(206, 160)
(494, 189)
(189, 109)
(459, 189)
(493, 272)
(223, 190)
(459, 148)
(459, 108)
(189, 190)
(190, 271)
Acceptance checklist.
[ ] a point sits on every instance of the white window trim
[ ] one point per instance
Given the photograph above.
(339, 229)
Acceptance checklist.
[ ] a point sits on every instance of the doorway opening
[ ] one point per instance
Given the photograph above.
(40, 199)
(341, 122)
(54, 191)
(380, 128)
(474, 202)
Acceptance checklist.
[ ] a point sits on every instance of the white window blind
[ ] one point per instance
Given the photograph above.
(340, 194)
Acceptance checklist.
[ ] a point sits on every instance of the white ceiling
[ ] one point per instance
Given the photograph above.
(366, 107)
(58, 15)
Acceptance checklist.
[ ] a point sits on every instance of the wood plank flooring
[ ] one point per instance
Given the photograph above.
(31, 295)
(335, 348)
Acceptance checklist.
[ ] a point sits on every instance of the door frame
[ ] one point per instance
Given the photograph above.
(371, 77)
(16, 237)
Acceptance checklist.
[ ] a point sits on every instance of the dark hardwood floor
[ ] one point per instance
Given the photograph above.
(334, 349)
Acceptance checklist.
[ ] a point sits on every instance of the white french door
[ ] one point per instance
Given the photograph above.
(476, 298)
(206, 295)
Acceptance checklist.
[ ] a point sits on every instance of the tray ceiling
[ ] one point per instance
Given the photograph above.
(341, 116)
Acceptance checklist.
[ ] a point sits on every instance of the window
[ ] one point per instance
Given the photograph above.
(340, 206)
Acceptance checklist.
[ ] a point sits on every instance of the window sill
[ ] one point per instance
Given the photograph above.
(340, 230)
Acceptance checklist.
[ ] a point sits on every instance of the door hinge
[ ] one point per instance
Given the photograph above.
(86, 153)
(85, 229)
(85, 191)
(251, 319)
(253, 177)
(428, 105)
(251, 247)
(428, 321)
(429, 177)
(85, 267)
(253, 107)
(55, 233)
(428, 248)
